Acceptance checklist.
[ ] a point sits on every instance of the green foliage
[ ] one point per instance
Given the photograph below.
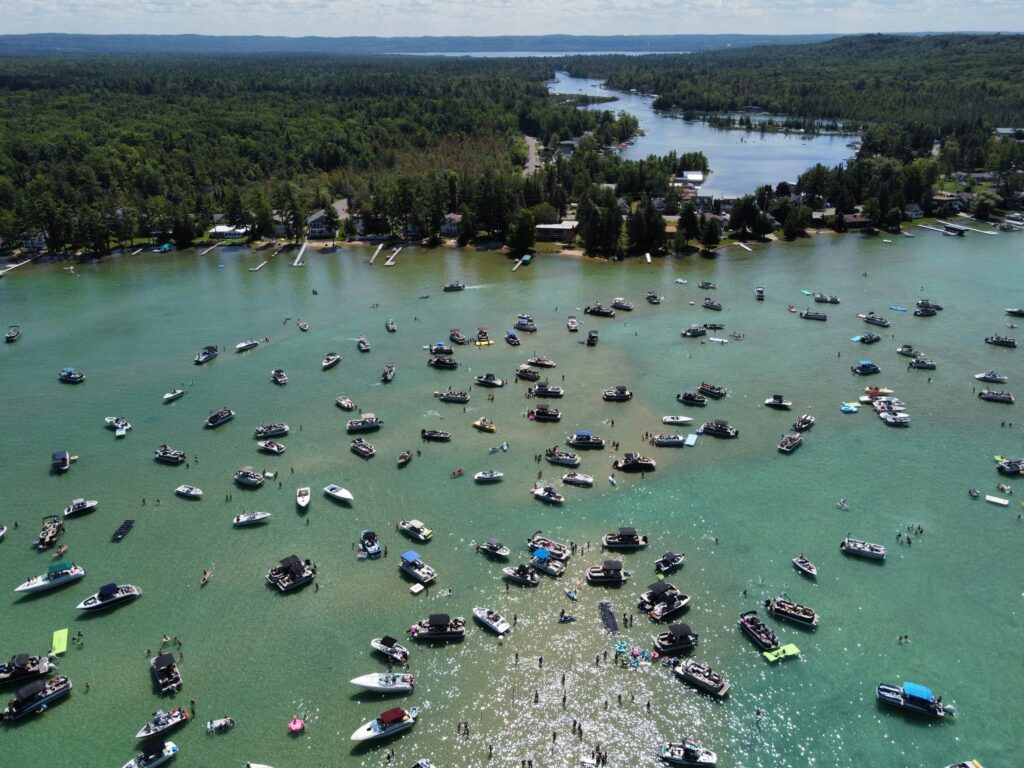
(711, 234)
(645, 228)
(521, 232)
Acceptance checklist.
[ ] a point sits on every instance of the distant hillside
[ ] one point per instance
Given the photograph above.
(202, 44)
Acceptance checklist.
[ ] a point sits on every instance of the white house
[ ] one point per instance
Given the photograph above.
(226, 231)
(35, 241)
(450, 224)
(563, 232)
(913, 211)
(317, 226)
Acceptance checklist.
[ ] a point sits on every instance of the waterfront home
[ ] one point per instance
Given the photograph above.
(563, 232)
(856, 221)
(450, 224)
(319, 226)
(913, 211)
(228, 232)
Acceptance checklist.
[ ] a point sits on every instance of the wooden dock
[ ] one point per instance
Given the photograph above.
(13, 267)
(970, 229)
(745, 247)
(375, 253)
(933, 229)
(391, 259)
(302, 250)
(648, 257)
(258, 268)
(136, 252)
(517, 265)
(209, 249)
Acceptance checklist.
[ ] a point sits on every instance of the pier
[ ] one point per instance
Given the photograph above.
(302, 250)
(517, 265)
(375, 253)
(933, 229)
(391, 259)
(950, 226)
(207, 250)
(136, 252)
(745, 247)
(258, 268)
(13, 267)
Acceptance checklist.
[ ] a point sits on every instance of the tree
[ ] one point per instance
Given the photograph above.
(791, 228)
(262, 216)
(712, 234)
(521, 231)
(183, 231)
(332, 221)
(762, 226)
(689, 223)
(467, 226)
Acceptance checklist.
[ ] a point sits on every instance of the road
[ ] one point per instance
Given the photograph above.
(533, 163)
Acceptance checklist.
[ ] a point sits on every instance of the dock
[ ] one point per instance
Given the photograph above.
(950, 225)
(258, 268)
(136, 252)
(391, 259)
(517, 265)
(648, 257)
(13, 267)
(745, 247)
(375, 253)
(209, 249)
(933, 229)
(302, 250)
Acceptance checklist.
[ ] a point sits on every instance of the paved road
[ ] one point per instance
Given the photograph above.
(533, 163)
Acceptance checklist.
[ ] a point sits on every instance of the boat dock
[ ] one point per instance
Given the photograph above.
(207, 250)
(648, 257)
(13, 267)
(136, 252)
(376, 253)
(391, 259)
(258, 268)
(517, 265)
(933, 229)
(302, 250)
(954, 227)
(745, 247)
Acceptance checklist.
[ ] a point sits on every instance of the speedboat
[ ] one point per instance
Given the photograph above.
(544, 413)
(577, 479)
(362, 344)
(584, 438)
(624, 538)
(712, 390)
(35, 696)
(808, 314)
(163, 722)
(668, 441)
(525, 323)
(488, 476)
(385, 682)
(991, 376)
(620, 303)
(865, 368)
(778, 401)
(668, 562)
(56, 576)
(872, 319)
(51, 530)
(694, 331)
(652, 297)
(758, 631)
(785, 608)
(759, 293)
(543, 561)
(415, 530)
(331, 359)
(710, 303)
(494, 548)
(458, 337)
(368, 422)
(389, 325)
(592, 338)
(822, 298)
(205, 355)
(363, 449)
(556, 549)
(109, 596)
(995, 397)
(271, 446)
(117, 423)
(413, 566)
(548, 495)
(572, 324)
(542, 362)
(804, 423)
(634, 462)
(512, 339)
(687, 752)
(676, 420)
(388, 646)
(345, 403)
(895, 419)
(522, 574)
(291, 573)
(705, 285)
(23, 667)
(1001, 341)
(869, 338)
(561, 458)
(911, 697)
(452, 287)
(80, 507)
(692, 398)
(790, 442)
(907, 350)
(404, 458)
(922, 363)
(218, 417)
(493, 620)
(451, 396)
(483, 337)
(527, 373)
(168, 455)
(702, 677)
(928, 311)
(249, 518)
(858, 548)
(174, 394)
(598, 311)
(435, 435)
(279, 377)
(244, 346)
(544, 389)
(165, 672)
(153, 755)
(249, 477)
(70, 376)
(678, 637)
(805, 566)
(489, 380)
(369, 543)
(392, 721)
(338, 493)
(609, 572)
(618, 394)
(13, 334)
(440, 348)
(270, 430)
(443, 363)
(439, 626)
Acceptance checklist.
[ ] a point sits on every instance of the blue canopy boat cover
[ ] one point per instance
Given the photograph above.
(865, 362)
(541, 554)
(583, 433)
(918, 691)
(59, 568)
(59, 455)
(411, 556)
(107, 591)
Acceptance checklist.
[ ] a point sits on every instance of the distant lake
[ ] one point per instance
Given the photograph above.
(740, 160)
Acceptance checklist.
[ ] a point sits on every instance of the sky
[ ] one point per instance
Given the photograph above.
(387, 18)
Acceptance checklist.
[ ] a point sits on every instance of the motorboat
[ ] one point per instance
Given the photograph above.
(35, 696)
(1001, 341)
(805, 566)
(493, 620)
(385, 682)
(620, 303)
(525, 323)
(634, 462)
(584, 438)
(822, 298)
(865, 368)
(710, 303)
(117, 423)
(435, 435)
(778, 401)
(70, 376)
(338, 493)
(527, 373)
(561, 458)
(872, 319)
(911, 697)
(859, 548)
(443, 363)
(452, 287)
(165, 673)
(804, 423)
(56, 576)
(265, 431)
(413, 566)
(415, 530)
(907, 350)
(291, 573)
(784, 608)
(24, 667)
(512, 339)
(109, 596)
(694, 331)
(153, 755)
(392, 721)
(692, 398)
(719, 428)
(362, 344)
(548, 495)
(245, 346)
(895, 419)
(676, 420)
(205, 355)
(668, 562)
(790, 442)
(712, 390)
(759, 293)
(599, 311)
(662, 600)
(388, 374)
(609, 572)
(458, 337)
(702, 677)
(389, 325)
(489, 380)
(488, 476)
(369, 544)
(578, 479)
(618, 394)
(271, 446)
(869, 338)
(556, 549)
(668, 441)
(51, 530)
(522, 574)
(389, 647)
(122, 530)
(404, 458)
(545, 563)
(542, 362)
(809, 314)
(218, 417)
(162, 722)
(991, 376)
(494, 548)
(368, 422)
(330, 360)
(929, 304)
(873, 391)
(758, 631)
(451, 396)
(279, 377)
(438, 626)
(705, 285)
(174, 394)
(572, 324)
(80, 507)
(592, 338)
(483, 337)
(249, 518)
(544, 389)
(677, 637)
(440, 348)
(995, 397)
(13, 334)
(168, 455)
(687, 752)
(922, 363)
(925, 312)
(624, 538)
(363, 449)
(249, 477)
(544, 413)
(345, 403)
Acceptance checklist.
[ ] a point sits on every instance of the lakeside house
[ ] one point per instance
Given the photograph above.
(228, 231)
(563, 232)
(913, 211)
(856, 221)
(318, 226)
(696, 178)
(35, 241)
(450, 224)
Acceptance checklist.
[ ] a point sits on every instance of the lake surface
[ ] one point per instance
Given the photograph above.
(740, 161)
(738, 509)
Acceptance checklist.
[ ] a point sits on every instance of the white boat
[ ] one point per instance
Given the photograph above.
(390, 647)
(108, 596)
(387, 724)
(385, 682)
(415, 529)
(672, 441)
(55, 576)
(578, 479)
(488, 476)
(153, 755)
(493, 620)
(676, 419)
(223, 724)
(248, 476)
(271, 446)
(242, 346)
(687, 753)
(163, 722)
(189, 491)
(330, 360)
(174, 394)
(302, 497)
(522, 574)
(116, 422)
(338, 493)
(548, 495)
(80, 507)
(859, 548)
(413, 566)
(249, 518)
(494, 548)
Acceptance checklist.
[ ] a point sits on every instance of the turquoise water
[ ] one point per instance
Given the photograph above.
(738, 509)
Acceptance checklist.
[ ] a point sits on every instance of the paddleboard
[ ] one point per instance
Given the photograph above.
(60, 641)
(997, 500)
(855, 338)
(612, 480)
(782, 653)
(805, 292)
(899, 309)
(691, 439)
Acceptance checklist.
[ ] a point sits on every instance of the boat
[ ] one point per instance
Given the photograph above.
(109, 596)
(440, 348)
(451, 396)
(692, 398)
(895, 419)
(404, 458)
(279, 377)
(718, 428)
(710, 303)
(488, 476)
(759, 293)
(385, 682)
(435, 435)
(249, 518)
(392, 721)
(56, 576)
(585, 439)
(415, 530)
(527, 373)
(965, 764)
(808, 314)
(991, 376)
(80, 507)
(556, 549)
(525, 323)
(620, 303)
(578, 479)
(858, 548)
(165, 672)
(618, 394)
(572, 324)
(868, 338)
(35, 696)
(704, 285)
(483, 337)
(122, 530)
(922, 363)
(805, 566)
(244, 346)
(389, 325)
(218, 417)
(995, 397)
(118, 423)
(634, 462)
(784, 608)
(438, 626)
(592, 338)
(368, 422)
(249, 477)
(153, 755)
(13, 334)
(291, 573)
(362, 344)
(561, 458)
(544, 413)
(489, 380)
(624, 538)
(609, 572)
(330, 360)
(174, 394)
(163, 722)
(494, 548)
(70, 376)
(778, 401)
(493, 620)
(388, 646)
(452, 287)
(522, 574)
(338, 493)
(911, 697)
(662, 600)
(24, 667)
(363, 449)
(345, 403)
(758, 631)
(599, 311)
(458, 337)
(668, 562)
(1001, 341)
(687, 752)
(443, 363)
(676, 419)
(822, 298)
(369, 544)
(545, 389)
(270, 430)
(511, 338)
(548, 495)
(296, 726)
(865, 368)
(694, 331)
(929, 304)
(51, 530)
(790, 442)
(872, 319)
(271, 446)
(413, 566)
(168, 455)
(925, 311)
(668, 441)
(542, 362)
(205, 355)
